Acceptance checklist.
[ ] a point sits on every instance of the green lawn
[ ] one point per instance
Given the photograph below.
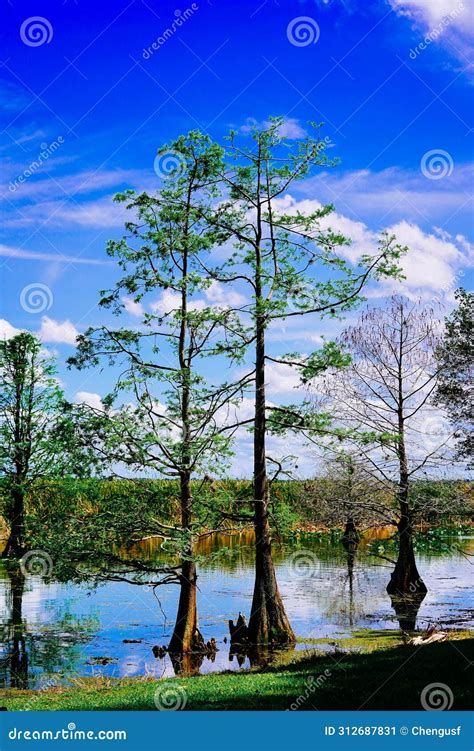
(387, 678)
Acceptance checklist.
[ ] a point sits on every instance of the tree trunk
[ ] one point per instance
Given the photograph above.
(15, 546)
(186, 635)
(405, 579)
(268, 620)
(351, 537)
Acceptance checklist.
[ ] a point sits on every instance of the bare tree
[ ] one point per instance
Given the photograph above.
(346, 492)
(385, 398)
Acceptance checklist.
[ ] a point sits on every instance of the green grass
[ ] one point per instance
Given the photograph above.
(365, 640)
(387, 678)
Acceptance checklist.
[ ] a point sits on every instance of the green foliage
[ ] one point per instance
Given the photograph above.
(30, 411)
(456, 369)
(170, 421)
(37, 439)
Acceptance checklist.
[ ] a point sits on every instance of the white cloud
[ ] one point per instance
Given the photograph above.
(281, 379)
(69, 199)
(432, 261)
(432, 265)
(171, 301)
(363, 239)
(7, 331)
(216, 294)
(133, 307)
(72, 184)
(429, 13)
(57, 331)
(393, 193)
(290, 128)
(100, 213)
(90, 398)
(446, 22)
(223, 295)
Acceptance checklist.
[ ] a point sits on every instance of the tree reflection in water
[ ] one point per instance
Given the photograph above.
(32, 655)
(406, 609)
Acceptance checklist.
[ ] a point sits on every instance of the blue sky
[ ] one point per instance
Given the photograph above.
(390, 79)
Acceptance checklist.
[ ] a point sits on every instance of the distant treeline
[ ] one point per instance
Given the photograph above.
(218, 503)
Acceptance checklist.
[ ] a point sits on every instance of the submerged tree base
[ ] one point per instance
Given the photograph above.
(405, 581)
(266, 635)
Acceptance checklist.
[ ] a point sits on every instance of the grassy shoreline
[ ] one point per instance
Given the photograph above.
(385, 677)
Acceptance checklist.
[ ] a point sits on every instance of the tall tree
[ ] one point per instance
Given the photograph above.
(456, 370)
(386, 396)
(31, 415)
(290, 264)
(175, 427)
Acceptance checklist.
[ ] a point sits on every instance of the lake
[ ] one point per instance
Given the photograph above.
(53, 632)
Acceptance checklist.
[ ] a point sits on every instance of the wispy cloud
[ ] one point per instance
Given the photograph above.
(395, 193)
(449, 23)
(33, 255)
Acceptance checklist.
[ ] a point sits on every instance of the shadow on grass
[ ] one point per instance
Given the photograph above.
(388, 679)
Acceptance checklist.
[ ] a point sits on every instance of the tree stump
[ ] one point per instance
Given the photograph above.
(239, 632)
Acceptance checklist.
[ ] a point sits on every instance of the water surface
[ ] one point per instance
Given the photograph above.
(52, 633)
